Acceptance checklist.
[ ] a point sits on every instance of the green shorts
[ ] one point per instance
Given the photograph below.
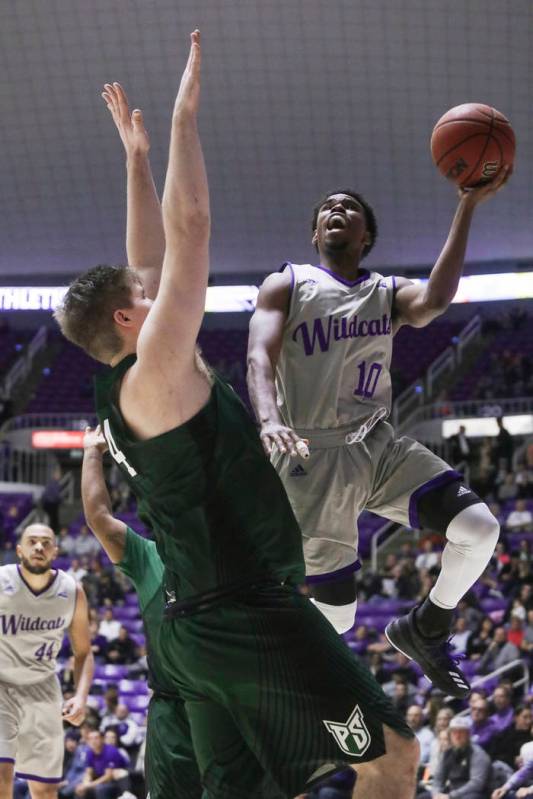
(271, 690)
(170, 762)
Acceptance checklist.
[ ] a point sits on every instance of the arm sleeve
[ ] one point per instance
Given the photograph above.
(521, 777)
(142, 565)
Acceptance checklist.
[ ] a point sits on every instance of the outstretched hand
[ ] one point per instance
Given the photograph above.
(94, 439)
(481, 193)
(130, 126)
(188, 98)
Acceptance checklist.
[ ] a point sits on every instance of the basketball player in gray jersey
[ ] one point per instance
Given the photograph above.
(38, 605)
(319, 375)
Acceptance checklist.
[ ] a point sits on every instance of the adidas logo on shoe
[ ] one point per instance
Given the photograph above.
(298, 471)
(463, 490)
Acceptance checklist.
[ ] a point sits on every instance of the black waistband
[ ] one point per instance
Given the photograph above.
(203, 602)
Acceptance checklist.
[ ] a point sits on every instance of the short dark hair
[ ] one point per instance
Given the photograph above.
(86, 314)
(370, 217)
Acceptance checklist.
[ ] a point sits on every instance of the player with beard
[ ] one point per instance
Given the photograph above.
(319, 373)
(38, 605)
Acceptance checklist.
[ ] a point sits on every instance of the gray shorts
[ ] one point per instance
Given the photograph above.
(31, 729)
(328, 491)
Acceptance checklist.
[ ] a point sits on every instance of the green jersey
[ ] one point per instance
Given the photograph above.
(143, 566)
(217, 509)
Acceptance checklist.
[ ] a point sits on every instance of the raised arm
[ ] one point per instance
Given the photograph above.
(145, 235)
(264, 345)
(419, 305)
(168, 336)
(80, 640)
(110, 532)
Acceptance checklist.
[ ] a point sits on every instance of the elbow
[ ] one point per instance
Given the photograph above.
(193, 221)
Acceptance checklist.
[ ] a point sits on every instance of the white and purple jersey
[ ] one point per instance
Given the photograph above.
(334, 365)
(32, 625)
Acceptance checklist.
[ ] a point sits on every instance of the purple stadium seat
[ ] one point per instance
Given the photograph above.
(111, 671)
(133, 687)
(136, 703)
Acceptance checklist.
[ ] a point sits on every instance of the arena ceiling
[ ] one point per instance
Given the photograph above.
(298, 96)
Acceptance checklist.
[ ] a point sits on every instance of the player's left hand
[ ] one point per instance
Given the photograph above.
(94, 438)
(74, 711)
(188, 98)
(487, 190)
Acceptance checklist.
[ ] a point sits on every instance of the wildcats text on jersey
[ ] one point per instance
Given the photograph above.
(337, 329)
(12, 624)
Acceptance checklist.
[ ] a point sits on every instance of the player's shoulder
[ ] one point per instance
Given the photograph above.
(9, 577)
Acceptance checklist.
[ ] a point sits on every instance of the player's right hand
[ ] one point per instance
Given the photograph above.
(94, 438)
(284, 438)
(130, 126)
(188, 98)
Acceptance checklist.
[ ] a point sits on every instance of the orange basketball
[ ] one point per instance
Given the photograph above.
(471, 143)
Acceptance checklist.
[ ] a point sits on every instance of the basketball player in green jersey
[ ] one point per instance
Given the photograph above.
(319, 358)
(170, 764)
(269, 687)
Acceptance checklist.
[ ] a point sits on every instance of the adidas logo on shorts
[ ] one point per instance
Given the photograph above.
(463, 490)
(298, 471)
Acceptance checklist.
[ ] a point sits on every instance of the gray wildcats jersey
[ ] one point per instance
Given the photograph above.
(334, 365)
(32, 625)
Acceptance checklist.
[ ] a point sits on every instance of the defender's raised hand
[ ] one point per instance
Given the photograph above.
(188, 98)
(130, 126)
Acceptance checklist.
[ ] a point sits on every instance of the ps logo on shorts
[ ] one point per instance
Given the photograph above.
(352, 737)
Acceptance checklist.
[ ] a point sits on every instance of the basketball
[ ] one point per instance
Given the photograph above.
(471, 143)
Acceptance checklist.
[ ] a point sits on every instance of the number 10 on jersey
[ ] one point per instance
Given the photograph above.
(368, 379)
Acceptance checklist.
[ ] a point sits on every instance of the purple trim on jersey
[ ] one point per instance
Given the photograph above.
(436, 482)
(35, 778)
(332, 576)
(365, 274)
(7, 760)
(394, 284)
(282, 269)
(37, 593)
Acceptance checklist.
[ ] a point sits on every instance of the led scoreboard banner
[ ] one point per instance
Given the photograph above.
(226, 299)
(57, 439)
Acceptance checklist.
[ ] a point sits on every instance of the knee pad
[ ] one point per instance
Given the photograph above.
(342, 617)
(475, 528)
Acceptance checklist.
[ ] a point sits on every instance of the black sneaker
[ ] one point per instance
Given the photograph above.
(433, 655)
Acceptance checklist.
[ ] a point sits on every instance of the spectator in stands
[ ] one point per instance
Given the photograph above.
(76, 762)
(106, 775)
(504, 445)
(66, 542)
(461, 634)
(86, 544)
(111, 737)
(483, 728)
(527, 641)
(109, 590)
(505, 746)
(515, 633)
(520, 520)
(524, 481)
(520, 784)
(109, 627)
(415, 719)
(510, 575)
(479, 642)
(463, 769)
(139, 669)
(110, 705)
(99, 642)
(67, 676)
(524, 551)
(427, 559)
(376, 667)
(9, 555)
(51, 499)
(128, 731)
(469, 609)
(503, 709)
(507, 489)
(460, 451)
(76, 570)
(122, 650)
